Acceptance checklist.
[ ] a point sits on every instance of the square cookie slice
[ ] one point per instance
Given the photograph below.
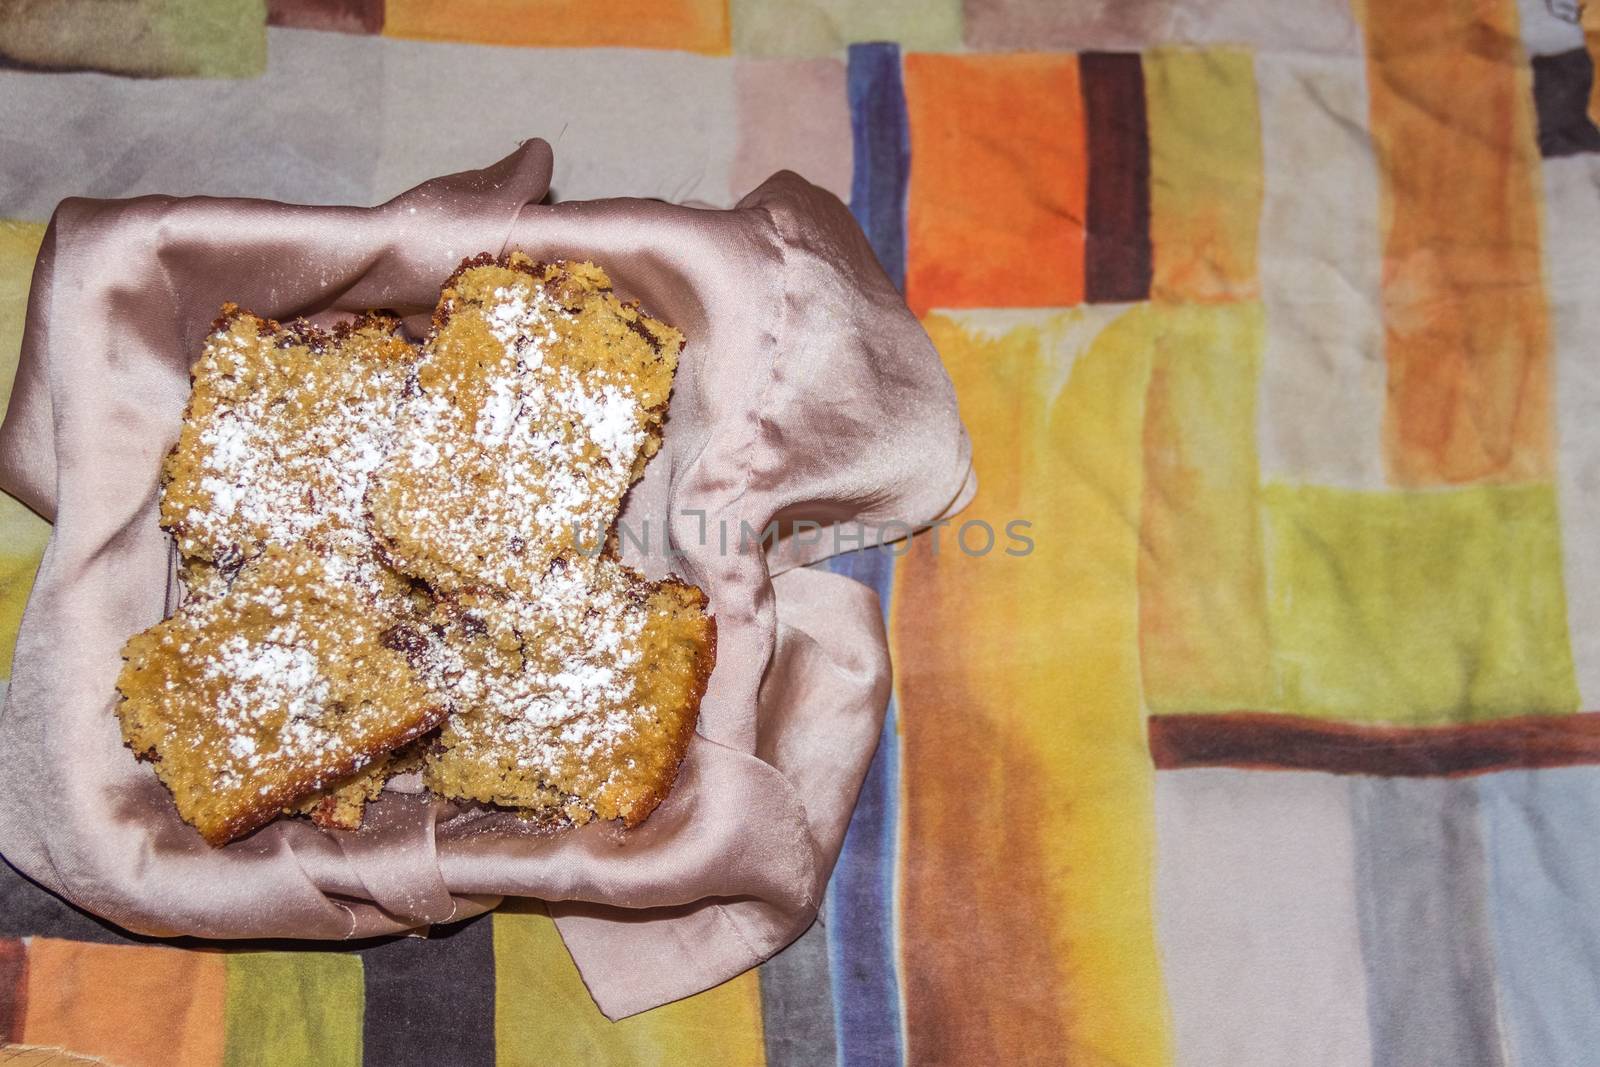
(251, 701)
(576, 700)
(284, 427)
(538, 401)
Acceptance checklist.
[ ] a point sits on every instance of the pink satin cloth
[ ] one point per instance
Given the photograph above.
(807, 391)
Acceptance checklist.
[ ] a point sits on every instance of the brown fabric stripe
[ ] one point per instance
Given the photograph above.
(1117, 259)
(974, 884)
(1284, 742)
(340, 16)
(431, 999)
(13, 989)
(1561, 85)
(29, 910)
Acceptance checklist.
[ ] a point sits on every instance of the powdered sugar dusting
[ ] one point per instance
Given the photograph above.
(478, 470)
(571, 693)
(504, 463)
(264, 670)
(284, 457)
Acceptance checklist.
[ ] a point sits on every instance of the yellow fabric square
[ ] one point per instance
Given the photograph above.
(290, 1008)
(1044, 717)
(544, 1015)
(826, 27)
(1418, 607)
(1206, 181)
(1202, 583)
(22, 533)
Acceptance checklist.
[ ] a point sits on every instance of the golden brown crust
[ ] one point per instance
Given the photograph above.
(538, 401)
(250, 701)
(273, 803)
(282, 424)
(705, 663)
(342, 805)
(280, 430)
(558, 342)
(304, 331)
(581, 701)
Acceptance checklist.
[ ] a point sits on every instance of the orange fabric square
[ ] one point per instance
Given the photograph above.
(131, 1005)
(998, 181)
(687, 25)
(1466, 317)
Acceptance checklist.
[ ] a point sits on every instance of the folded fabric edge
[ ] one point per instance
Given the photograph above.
(824, 542)
(700, 948)
(694, 947)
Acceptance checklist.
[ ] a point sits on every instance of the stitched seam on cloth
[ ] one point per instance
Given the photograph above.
(737, 927)
(511, 226)
(759, 407)
(810, 832)
(695, 956)
(323, 893)
(948, 508)
(163, 233)
(810, 900)
(778, 335)
(47, 251)
(465, 898)
(354, 863)
(63, 887)
(349, 913)
(440, 886)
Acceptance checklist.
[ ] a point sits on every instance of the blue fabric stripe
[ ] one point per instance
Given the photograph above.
(1544, 892)
(1422, 900)
(797, 1023)
(859, 909)
(881, 134)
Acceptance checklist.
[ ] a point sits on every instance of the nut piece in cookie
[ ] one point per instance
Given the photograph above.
(538, 401)
(251, 701)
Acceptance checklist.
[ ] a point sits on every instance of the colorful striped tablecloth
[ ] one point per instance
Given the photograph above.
(1280, 325)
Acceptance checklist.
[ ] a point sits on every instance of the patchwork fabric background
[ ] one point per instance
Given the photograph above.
(1278, 322)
